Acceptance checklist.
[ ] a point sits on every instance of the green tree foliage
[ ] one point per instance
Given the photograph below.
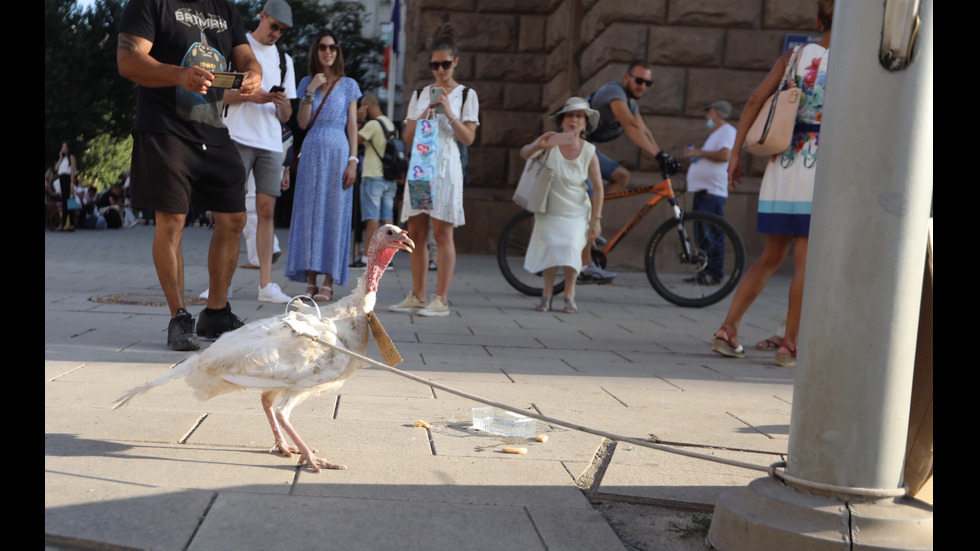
(107, 158)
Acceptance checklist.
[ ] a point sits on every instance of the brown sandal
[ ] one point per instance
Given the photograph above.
(725, 344)
(787, 359)
(772, 343)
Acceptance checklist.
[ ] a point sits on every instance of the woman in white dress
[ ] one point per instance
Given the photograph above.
(456, 112)
(571, 218)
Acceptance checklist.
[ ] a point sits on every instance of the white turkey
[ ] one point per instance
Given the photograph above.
(278, 356)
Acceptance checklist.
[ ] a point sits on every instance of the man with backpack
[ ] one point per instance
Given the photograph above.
(384, 164)
(255, 125)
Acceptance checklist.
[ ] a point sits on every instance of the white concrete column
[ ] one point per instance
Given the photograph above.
(867, 249)
(868, 234)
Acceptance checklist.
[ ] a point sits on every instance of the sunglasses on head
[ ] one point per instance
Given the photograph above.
(639, 81)
(434, 65)
(324, 47)
(276, 27)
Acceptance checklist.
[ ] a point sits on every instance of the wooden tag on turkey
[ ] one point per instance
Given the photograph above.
(385, 346)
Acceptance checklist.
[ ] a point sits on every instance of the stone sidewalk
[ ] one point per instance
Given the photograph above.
(169, 472)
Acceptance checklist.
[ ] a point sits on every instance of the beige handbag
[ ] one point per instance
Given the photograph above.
(772, 131)
(532, 190)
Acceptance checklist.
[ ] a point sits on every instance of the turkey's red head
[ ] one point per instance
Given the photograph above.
(387, 241)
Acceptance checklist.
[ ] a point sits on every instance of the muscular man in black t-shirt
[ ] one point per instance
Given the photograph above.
(172, 50)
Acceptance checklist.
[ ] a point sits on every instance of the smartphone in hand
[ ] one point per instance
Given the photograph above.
(434, 94)
(227, 80)
(562, 138)
(276, 88)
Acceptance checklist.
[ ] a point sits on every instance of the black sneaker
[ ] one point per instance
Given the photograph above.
(180, 332)
(212, 323)
(702, 278)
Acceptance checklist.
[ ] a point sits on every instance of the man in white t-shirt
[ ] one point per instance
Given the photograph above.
(254, 123)
(707, 179)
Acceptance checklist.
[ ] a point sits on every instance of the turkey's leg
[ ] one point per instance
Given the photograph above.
(280, 444)
(316, 463)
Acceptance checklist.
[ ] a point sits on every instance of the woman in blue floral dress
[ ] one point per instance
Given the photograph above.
(786, 191)
(319, 231)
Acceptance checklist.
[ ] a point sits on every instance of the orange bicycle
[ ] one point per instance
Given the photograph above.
(680, 255)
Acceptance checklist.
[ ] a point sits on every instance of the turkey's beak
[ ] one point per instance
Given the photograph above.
(405, 243)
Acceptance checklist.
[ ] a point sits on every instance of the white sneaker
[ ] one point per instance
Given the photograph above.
(272, 293)
(410, 305)
(435, 308)
(594, 269)
(204, 295)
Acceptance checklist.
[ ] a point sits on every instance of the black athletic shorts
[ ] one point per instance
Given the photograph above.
(168, 171)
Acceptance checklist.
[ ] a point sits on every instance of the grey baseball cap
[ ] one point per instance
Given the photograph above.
(280, 11)
(722, 107)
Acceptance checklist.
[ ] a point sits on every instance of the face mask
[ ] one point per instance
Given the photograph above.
(710, 123)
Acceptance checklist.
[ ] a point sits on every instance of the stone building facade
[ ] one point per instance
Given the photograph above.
(525, 58)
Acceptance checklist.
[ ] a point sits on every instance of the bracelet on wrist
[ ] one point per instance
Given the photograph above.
(353, 158)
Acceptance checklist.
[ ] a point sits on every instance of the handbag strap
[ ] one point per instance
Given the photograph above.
(322, 103)
(791, 66)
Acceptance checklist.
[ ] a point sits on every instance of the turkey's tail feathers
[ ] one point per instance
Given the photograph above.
(177, 372)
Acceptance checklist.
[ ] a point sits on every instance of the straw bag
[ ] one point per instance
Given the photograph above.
(772, 130)
(532, 189)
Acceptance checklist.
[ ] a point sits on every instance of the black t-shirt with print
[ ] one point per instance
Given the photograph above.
(185, 33)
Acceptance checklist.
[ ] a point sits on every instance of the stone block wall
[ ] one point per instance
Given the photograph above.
(525, 58)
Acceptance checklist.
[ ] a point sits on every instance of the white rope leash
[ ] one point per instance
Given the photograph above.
(545, 418)
(771, 470)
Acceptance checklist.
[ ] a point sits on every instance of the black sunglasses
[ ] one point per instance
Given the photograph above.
(434, 65)
(323, 47)
(277, 27)
(639, 80)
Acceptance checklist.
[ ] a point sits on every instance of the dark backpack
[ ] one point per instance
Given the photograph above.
(394, 163)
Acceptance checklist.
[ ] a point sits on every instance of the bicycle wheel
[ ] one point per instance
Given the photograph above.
(511, 249)
(696, 262)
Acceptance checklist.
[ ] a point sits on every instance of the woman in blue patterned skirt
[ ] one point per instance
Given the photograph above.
(786, 191)
(319, 232)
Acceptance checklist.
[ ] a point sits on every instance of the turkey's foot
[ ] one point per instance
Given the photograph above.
(317, 463)
(285, 449)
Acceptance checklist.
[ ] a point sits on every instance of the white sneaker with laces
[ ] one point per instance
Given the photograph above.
(205, 294)
(410, 305)
(435, 309)
(594, 269)
(272, 293)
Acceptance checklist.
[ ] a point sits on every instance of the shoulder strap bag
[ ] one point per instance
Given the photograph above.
(772, 131)
(532, 189)
(322, 103)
